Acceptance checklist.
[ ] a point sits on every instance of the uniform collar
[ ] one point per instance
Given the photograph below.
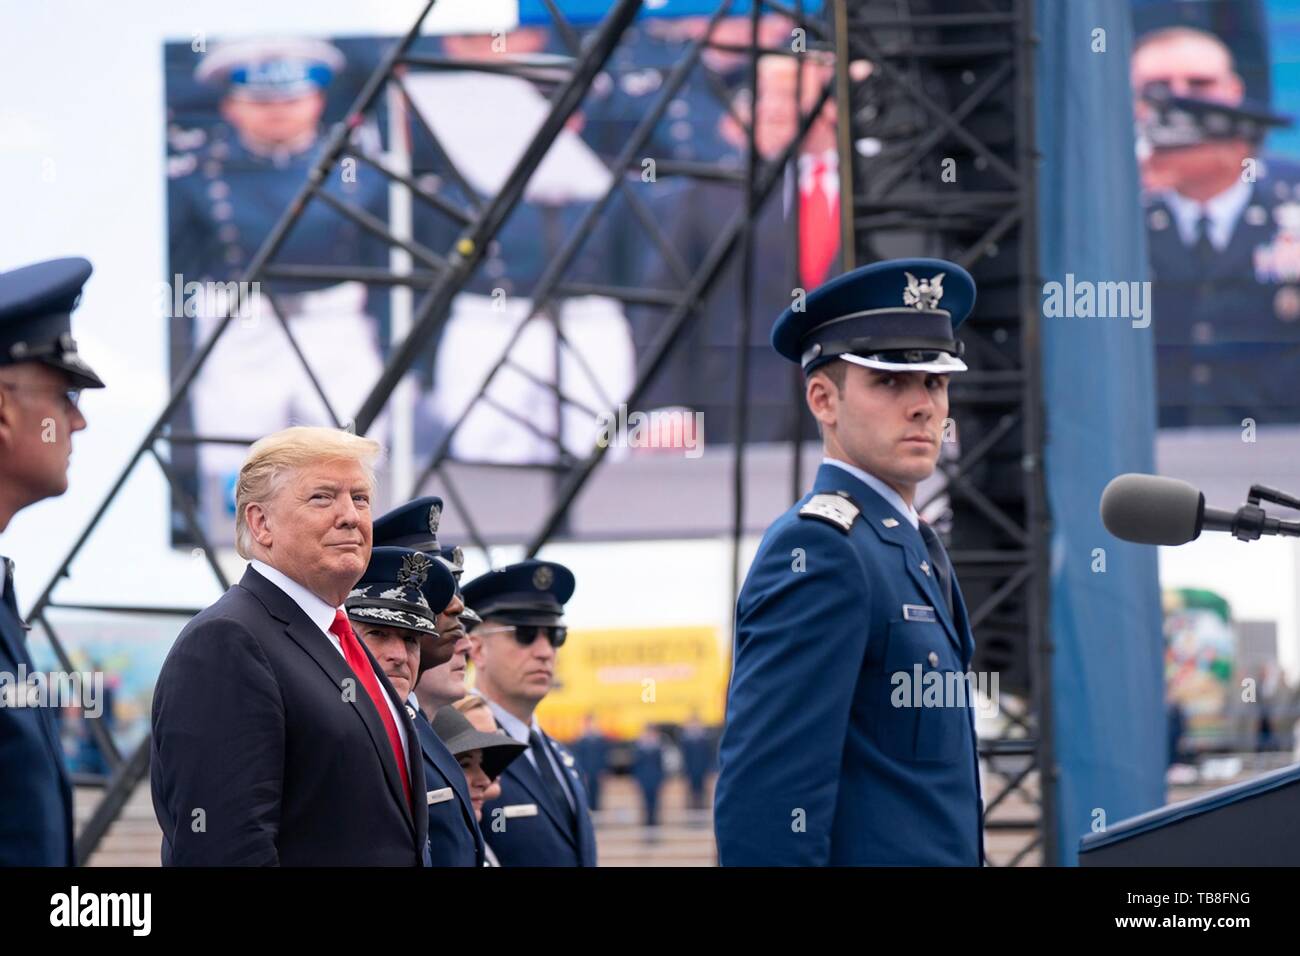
(892, 497)
(515, 728)
(7, 593)
(1223, 211)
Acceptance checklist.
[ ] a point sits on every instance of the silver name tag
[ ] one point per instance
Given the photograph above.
(520, 810)
(440, 796)
(918, 612)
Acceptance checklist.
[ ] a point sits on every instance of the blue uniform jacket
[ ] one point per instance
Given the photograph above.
(35, 796)
(524, 827)
(454, 837)
(817, 765)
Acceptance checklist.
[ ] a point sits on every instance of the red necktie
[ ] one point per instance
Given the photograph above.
(360, 665)
(819, 229)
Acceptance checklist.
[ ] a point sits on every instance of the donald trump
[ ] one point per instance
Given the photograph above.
(276, 738)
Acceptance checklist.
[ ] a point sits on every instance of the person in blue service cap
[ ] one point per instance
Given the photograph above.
(542, 816)
(224, 200)
(395, 608)
(41, 378)
(453, 843)
(1222, 222)
(851, 598)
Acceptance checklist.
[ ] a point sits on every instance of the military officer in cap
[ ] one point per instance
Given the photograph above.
(1223, 234)
(223, 202)
(415, 525)
(395, 607)
(822, 762)
(541, 817)
(41, 378)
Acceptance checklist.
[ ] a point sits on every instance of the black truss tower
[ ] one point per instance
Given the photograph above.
(919, 104)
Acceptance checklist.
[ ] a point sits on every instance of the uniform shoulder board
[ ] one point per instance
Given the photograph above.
(834, 508)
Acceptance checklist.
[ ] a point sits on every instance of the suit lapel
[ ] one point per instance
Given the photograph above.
(444, 762)
(308, 637)
(526, 776)
(12, 633)
(586, 834)
(895, 529)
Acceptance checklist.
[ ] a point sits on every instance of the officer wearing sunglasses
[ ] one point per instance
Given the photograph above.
(41, 376)
(541, 817)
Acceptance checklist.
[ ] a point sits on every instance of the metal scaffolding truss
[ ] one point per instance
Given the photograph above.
(848, 31)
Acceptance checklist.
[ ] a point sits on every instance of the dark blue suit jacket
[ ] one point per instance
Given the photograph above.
(817, 765)
(454, 837)
(524, 826)
(254, 724)
(35, 796)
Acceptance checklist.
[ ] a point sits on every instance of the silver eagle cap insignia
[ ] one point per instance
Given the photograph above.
(923, 293)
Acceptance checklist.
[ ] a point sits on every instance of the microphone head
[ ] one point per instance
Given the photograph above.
(1149, 509)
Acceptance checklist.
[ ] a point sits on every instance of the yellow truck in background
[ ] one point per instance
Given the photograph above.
(628, 678)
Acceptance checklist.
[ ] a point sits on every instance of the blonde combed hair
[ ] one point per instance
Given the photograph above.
(272, 458)
(470, 702)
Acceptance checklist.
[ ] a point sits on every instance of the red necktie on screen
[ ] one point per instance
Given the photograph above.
(819, 229)
(360, 665)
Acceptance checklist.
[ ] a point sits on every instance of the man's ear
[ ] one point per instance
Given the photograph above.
(8, 413)
(259, 523)
(475, 649)
(823, 398)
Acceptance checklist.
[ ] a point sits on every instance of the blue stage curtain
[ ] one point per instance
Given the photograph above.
(1098, 391)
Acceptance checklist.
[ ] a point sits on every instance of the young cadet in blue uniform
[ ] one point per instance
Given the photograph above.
(541, 817)
(848, 590)
(454, 835)
(41, 375)
(393, 607)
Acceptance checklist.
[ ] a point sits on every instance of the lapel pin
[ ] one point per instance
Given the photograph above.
(925, 566)
(890, 522)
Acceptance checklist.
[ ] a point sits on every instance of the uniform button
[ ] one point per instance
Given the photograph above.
(1202, 333)
(934, 659)
(1201, 373)
(1286, 304)
(678, 108)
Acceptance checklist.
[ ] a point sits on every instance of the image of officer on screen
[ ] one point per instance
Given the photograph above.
(1223, 228)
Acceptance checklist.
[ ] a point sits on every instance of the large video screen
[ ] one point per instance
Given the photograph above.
(509, 378)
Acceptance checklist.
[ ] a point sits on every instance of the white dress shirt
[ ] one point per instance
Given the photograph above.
(516, 729)
(1223, 210)
(891, 496)
(322, 615)
(830, 178)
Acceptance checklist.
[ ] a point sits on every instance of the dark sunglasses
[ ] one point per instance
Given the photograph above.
(526, 634)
